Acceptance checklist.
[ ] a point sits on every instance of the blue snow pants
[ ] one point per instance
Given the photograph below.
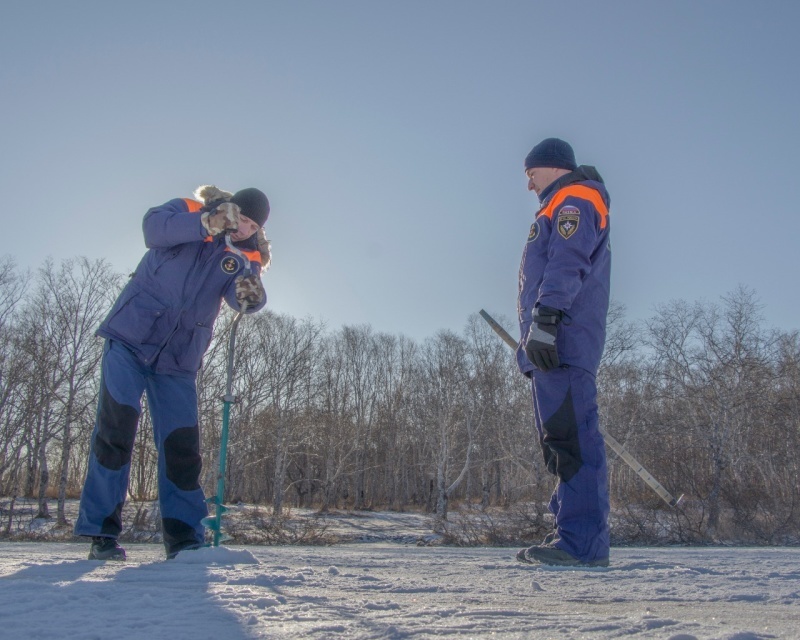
(565, 413)
(172, 400)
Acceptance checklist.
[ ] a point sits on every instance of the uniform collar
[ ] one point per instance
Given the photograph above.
(581, 174)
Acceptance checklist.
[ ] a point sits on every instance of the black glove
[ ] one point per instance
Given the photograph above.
(541, 343)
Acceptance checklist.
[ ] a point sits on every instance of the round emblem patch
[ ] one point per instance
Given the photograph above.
(229, 265)
(534, 233)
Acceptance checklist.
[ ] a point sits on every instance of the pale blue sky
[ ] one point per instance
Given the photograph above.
(390, 138)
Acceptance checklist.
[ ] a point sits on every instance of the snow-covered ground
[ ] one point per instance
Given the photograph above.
(395, 590)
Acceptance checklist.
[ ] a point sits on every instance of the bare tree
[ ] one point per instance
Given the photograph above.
(38, 410)
(443, 410)
(71, 301)
(13, 368)
(287, 348)
(715, 367)
(333, 435)
(705, 395)
(500, 396)
(362, 372)
(396, 357)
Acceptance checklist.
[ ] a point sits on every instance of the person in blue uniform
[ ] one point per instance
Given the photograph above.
(564, 284)
(155, 337)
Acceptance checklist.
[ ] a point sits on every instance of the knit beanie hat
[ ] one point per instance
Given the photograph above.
(254, 205)
(551, 152)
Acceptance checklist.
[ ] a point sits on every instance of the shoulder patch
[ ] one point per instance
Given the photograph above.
(534, 232)
(569, 218)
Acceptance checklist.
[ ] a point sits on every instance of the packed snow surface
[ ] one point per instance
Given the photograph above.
(390, 590)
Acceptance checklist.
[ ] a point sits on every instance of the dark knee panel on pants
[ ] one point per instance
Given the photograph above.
(560, 446)
(182, 458)
(112, 524)
(116, 431)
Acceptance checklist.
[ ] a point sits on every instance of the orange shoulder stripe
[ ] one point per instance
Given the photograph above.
(583, 192)
(194, 205)
(253, 256)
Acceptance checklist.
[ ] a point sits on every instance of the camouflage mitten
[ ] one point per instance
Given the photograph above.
(224, 217)
(249, 290)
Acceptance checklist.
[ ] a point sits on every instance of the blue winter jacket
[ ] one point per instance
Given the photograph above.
(566, 265)
(166, 312)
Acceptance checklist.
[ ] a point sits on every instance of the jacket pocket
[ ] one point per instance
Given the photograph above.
(167, 256)
(190, 357)
(141, 319)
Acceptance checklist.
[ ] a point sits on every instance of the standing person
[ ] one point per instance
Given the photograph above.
(156, 335)
(564, 286)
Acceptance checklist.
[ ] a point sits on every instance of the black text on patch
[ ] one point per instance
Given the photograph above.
(568, 220)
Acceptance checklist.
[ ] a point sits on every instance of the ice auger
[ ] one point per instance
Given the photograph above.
(214, 523)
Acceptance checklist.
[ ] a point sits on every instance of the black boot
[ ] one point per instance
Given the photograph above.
(550, 555)
(186, 545)
(106, 549)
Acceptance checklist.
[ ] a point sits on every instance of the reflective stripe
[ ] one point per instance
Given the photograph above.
(578, 191)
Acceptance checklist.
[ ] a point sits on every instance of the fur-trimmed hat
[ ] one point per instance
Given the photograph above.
(552, 152)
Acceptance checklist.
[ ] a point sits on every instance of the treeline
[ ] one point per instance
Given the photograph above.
(704, 395)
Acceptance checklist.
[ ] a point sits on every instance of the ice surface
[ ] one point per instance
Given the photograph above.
(390, 590)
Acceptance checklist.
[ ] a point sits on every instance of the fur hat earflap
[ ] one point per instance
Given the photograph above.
(209, 193)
